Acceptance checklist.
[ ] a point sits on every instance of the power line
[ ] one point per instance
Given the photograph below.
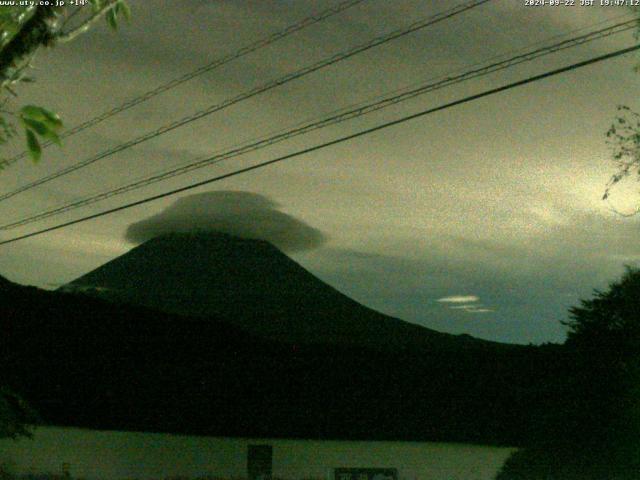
(247, 49)
(251, 93)
(345, 138)
(341, 116)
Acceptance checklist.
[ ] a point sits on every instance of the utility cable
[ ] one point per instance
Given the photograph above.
(251, 93)
(328, 121)
(143, 97)
(343, 139)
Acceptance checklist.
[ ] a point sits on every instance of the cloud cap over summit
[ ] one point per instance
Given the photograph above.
(243, 214)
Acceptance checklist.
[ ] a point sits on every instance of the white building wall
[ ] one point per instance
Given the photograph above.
(125, 455)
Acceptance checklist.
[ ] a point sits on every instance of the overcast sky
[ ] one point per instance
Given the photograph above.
(485, 218)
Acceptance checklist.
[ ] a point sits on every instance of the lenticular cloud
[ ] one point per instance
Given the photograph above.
(242, 214)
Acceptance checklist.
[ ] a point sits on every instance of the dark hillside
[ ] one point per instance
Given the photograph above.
(85, 362)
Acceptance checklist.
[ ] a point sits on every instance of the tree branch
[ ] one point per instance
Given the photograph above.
(34, 33)
(84, 26)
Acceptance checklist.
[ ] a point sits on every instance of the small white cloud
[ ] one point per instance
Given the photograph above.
(459, 299)
(472, 308)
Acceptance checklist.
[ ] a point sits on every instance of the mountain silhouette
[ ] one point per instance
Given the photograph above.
(6, 284)
(254, 286)
(86, 362)
(261, 348)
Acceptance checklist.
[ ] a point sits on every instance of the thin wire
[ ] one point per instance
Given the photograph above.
(345, 138)
(328, 121)
(264, 42)
(251, 93)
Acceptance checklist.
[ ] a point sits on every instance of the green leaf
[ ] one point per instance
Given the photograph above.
(124, 9)
(38, 127)
(31, 111)
(112, 18)
(35, 150)
(42, 129)
(43, 115)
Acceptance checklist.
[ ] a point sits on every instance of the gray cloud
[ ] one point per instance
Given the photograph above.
(243, 214)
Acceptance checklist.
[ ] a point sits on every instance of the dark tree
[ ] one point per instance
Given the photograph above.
(598, 432)
(16, 417)
(611, 317)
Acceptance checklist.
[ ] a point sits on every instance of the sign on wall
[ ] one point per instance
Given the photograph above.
(365, 474)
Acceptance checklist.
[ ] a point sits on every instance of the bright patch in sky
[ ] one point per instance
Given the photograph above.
(459, 299)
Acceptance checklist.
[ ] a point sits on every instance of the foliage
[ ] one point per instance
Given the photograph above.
(568, 462)
(16, 417)
(25, 29)
(598, 435)
(612, 316)
(624, 138)
(39, 122)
